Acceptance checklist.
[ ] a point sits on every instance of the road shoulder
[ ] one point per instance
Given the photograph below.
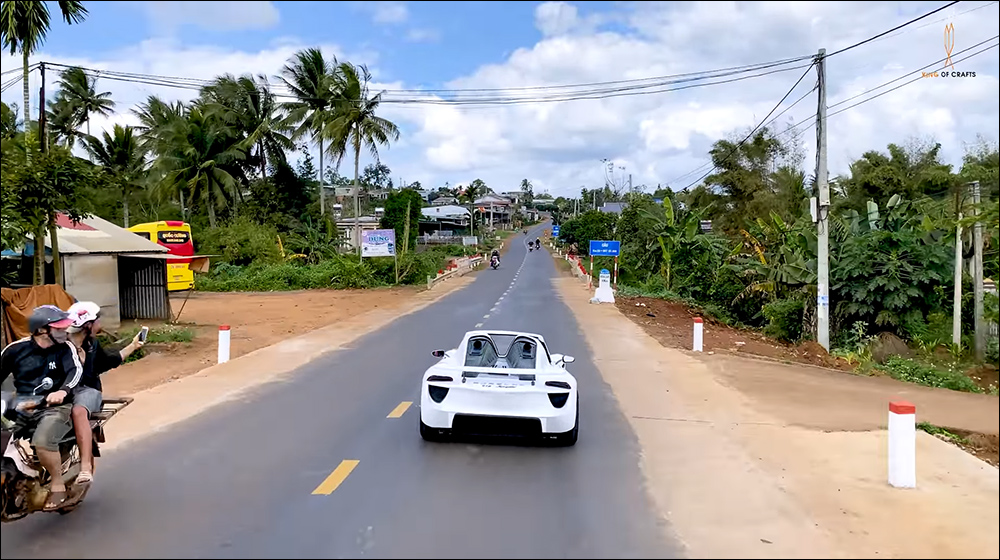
(736, 481)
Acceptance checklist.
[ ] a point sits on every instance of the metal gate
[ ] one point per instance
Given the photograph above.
(142, 288)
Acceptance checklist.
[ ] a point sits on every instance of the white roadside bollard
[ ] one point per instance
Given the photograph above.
(902, 444)
(223, 344)
(699, 334)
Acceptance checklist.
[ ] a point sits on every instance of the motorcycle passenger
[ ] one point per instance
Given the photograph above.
(46, 353)
(87, 397)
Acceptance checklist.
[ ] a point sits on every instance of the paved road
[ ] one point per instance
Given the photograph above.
(239, 481)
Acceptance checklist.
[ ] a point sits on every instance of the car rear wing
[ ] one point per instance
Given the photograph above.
(510, 373)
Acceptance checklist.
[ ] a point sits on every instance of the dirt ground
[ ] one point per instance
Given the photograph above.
(256, 320)
(804, 448)
(672, 324)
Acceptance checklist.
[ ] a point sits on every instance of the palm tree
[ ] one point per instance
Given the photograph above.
(23, 26)
(62, 121)
(354, 124)
(80, 91)
(250, 107)
(9, 125)
(194, 153)
(309, 77)
(122, 158)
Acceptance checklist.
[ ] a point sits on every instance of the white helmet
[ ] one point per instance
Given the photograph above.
(83, 312)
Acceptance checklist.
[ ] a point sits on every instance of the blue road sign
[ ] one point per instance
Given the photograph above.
(555, 231)
(604, 248)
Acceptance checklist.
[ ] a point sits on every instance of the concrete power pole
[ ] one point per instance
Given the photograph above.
(956, 318)
(822, 214)
(977, 276)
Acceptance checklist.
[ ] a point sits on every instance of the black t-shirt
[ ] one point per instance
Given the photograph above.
(29, 363)
(99, 360)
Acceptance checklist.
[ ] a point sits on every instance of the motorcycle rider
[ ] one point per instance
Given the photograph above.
(46, 353)
(495, 255)
(87, 397)
(538, 243)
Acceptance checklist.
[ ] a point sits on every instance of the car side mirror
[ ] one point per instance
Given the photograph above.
(438, 353)
(568, 359)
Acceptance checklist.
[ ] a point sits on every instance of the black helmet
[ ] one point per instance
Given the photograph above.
(48, 316)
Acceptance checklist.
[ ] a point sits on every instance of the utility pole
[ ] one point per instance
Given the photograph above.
(956, 317)
(630, 183)
(977, 276)
(822, 214)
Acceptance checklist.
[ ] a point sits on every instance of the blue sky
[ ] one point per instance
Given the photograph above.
(663, 138)
(434, 43)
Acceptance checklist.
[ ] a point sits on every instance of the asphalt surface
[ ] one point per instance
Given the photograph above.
(258, 477)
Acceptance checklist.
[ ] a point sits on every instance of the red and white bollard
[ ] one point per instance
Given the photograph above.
(902, 444)
(699, 334)
(223, 344)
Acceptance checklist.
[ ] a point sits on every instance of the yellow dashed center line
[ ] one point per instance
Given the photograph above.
(399, 410)
(336, 477)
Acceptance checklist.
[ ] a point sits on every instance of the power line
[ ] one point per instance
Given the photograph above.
(637, 81)
(752, 132)
(639, 89)
(898, 27)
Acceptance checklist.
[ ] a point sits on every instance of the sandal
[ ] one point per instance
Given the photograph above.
(55, 500)
(85, 477)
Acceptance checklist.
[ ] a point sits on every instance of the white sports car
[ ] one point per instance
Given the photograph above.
(500, 382)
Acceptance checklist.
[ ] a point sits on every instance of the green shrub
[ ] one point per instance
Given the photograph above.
(241, 242)
(908, 370)
(340, 272)
(784, 318)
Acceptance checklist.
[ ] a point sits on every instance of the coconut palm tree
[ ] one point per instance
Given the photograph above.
(63, 122)
(23, 26)
(250, 107)
(80, 92)
(194, 154)
(309, 77)
(122, 159)
(355, 125)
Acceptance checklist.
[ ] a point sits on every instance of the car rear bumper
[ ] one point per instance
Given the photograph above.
(517, 410)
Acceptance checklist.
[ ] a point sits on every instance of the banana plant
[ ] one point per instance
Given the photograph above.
(670, 232)
(779, 258)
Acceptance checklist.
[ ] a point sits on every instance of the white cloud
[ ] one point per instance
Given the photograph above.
(387, 11)
(560, 18)
(212, 15)
(423, 35)
(657, 137)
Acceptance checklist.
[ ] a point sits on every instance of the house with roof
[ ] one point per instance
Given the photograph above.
(123, 272)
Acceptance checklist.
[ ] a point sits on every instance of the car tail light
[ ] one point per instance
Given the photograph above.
(439, 378)
(558, 384)
(558, 400)
(437, 393)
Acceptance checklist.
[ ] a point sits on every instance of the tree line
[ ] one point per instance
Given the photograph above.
(743, 243)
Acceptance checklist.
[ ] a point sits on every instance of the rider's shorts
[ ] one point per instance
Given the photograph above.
(88, 398)
(52, 425)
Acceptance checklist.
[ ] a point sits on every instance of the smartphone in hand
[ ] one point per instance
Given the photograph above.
(143, 333)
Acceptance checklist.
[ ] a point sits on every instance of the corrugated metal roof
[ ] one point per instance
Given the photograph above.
(97, 235)
(446, 211)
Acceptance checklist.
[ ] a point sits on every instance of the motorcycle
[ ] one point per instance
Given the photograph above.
(24, 484)
(531, 248)
(495, 262)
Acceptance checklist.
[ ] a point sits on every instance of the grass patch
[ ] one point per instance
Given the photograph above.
(904, 369)
(939, 431)
(160, 335)
(710, 311)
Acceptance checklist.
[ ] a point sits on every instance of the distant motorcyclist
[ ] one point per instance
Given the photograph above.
(87, 397)
(538, 243)
(46, 353)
